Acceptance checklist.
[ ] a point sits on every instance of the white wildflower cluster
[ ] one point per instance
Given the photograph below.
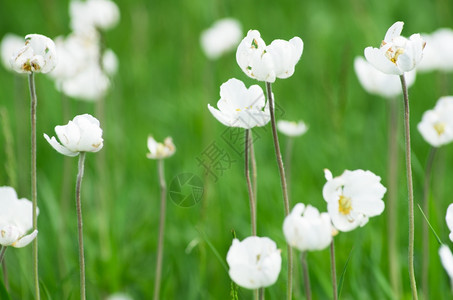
(82, 68)
(85, 67)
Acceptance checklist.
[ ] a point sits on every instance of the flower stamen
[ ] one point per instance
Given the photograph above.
(345, 205)
(440, 128)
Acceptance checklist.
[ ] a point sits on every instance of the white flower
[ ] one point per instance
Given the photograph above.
(438, 53)
(306, 229)
(159, 150)
(16, 219)
(292, 128)
(82, 134)
(38, 55)
(75, 52)
(449, 219)
(353, 197)
(255, 262)
(378, 83)
(241, 107)
(93, 14)
(110, 62)
(436, 125)
(119, 296)
(90, 84)
(397, 54)
(265, 63)
(224, 35)
(446, 258)
(9, 44)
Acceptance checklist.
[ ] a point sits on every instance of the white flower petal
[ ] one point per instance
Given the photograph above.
(57, 146)
(446, 258)
(25, 240)
(449, 219)
(394, 31)
(377, 58)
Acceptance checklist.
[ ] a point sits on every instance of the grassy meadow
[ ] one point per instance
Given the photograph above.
(163, 86)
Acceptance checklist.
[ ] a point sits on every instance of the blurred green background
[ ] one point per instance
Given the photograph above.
(162, 88)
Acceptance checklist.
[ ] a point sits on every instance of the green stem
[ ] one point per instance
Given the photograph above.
(306, 275)
(160, 246)
(392, 210)
(425, 234)
(80, 225)
(282, 181)
(249, 184)
(409, 187)
(2, 253)
(34, 193)
(333, 270)
(261, 292)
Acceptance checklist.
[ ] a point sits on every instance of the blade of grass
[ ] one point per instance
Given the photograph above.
(343, 273)
(429, 224)
(214, 250)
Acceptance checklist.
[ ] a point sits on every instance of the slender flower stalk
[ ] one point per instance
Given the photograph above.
(333, 270)
(261, 292)
(160, 246)
(409, 187)
(306, 275)
(2, 253)
(80, 225)
(392, 168)
(282, 181)
(254, 170)
(5, 275)
(425, 234)
(34, 192)
(249, 184)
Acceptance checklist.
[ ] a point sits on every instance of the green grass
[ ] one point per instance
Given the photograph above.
(163, 87)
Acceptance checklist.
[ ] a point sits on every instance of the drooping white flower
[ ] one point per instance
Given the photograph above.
(378, 83)
(436, 125)
(449, 219)
(266, 63)
(353, 197)
(254, 263)
(93, 14)
(82, 134)
(292, 129)
(306, 229)
(223, 36)
(159, 150)
(241, 107)
(16, 219)
(438, 53)
(9, 44)
(396, 54)
(38, 55)
(446, 258)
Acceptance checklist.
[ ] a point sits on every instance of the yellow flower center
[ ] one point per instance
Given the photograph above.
(393, 55)
(345, 205)
(439, 127)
